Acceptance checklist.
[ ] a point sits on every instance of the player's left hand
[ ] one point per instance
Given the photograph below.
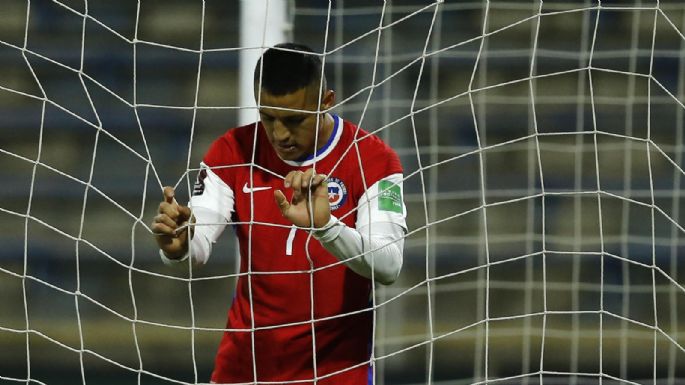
(307, 186)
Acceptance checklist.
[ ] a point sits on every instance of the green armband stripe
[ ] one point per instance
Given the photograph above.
(390, 198)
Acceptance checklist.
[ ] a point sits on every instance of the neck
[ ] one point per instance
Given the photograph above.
(325, 131)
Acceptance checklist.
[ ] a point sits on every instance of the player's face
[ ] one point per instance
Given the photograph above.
(293, 133)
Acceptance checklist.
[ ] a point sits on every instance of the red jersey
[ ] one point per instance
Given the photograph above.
(297, 306)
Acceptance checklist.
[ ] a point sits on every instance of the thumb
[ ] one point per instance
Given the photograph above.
(281, 201)
(169, 194)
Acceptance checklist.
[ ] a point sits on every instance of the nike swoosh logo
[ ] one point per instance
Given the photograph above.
(248, 190)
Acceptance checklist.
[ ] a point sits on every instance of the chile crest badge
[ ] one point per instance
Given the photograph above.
(337, 192)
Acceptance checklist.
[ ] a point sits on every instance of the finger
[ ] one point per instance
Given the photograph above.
(166, 220)
(307, 178)
(168, 209)
(162, 229)
(321, 178)
(183, 227)
(317, 180)
(288, 181)
(321, 190)
(281, 201)
(169, 194)
(184, 213)
(296, 183)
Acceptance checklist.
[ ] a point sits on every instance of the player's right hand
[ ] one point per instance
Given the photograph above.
(170, 217)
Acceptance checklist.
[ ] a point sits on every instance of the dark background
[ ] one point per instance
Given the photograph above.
(543, 162)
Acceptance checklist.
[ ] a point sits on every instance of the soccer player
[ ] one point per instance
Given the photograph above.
(317, 206)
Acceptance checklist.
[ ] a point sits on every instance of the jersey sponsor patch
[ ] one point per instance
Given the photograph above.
(390, 198)
(337, 192)
(199, 186)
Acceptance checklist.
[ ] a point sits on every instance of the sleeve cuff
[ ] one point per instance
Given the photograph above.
(330, 231)
(171, 262)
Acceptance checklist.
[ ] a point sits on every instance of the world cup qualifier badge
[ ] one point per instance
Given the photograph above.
(337, 192)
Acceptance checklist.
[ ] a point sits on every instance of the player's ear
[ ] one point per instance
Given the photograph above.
(328, 99)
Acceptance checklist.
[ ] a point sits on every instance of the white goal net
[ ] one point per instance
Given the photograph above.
(542, 146)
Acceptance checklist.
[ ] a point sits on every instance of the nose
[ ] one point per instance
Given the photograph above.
(280, 132)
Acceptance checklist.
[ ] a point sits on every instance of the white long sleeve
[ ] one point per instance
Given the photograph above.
(375, 244)
(379, 245)
(212, 207)
(208, 227)
(370, 251)
(377, 241)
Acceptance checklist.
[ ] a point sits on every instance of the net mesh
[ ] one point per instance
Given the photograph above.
(542, 148)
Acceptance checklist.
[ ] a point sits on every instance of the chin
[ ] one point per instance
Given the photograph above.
(290, 156)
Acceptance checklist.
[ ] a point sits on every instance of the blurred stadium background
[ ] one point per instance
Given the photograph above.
(606, 295)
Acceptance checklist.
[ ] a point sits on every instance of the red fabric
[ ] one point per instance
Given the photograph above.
(285, 351)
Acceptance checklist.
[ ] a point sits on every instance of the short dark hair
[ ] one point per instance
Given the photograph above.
(288, 67)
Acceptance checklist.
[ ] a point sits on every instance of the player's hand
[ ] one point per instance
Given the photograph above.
(171, 216)
(307, 187)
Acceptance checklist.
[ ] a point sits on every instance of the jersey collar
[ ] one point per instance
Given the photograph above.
(323, 151)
